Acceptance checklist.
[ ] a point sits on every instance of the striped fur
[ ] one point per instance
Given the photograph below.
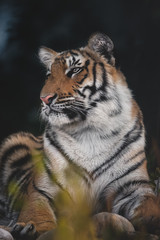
(16, 164)
(93, 125)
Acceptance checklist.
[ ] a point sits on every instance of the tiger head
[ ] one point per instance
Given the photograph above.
(79, 82)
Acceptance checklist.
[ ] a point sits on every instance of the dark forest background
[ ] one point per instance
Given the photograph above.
(25, 25)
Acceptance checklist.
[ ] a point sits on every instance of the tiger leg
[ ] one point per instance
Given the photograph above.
(105, 221)
(36, 216)
(141, 208)
(111, 225)
(147, 215)
(137, 202)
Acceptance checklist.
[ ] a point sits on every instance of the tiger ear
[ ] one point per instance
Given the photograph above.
(47, 56)
(103, 45)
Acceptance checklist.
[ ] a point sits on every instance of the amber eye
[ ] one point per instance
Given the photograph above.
(76, 70)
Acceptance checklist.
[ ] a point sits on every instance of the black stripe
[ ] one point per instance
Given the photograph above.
(8, 153)
(127, 186)
(50, 199)
(51, 174)
(113, 134)
(92, 88)
(71, 114)
(18, 176)
(12, 150)
(87, 62)
(73, 59)
(79, 108)
(122, 209)
(104, 78)
(21, 185)
(93, 104)
(38, 139)
(127, 141)
(103, 91)
(133, 200)
(109, 162)
(125, 196)
(70, 64)
(131, 183)
(82, 80)
(80, 93)
(132, 203)
(112, 163)
(53, 179)
(136, 155)
(131, 169)
(108, 56)
(77, 62)
(73, 53)
(42, 193)
(103, 195)
(104, 170)
(77, 168)
(90, 56)
(94, 74)
(21, 161)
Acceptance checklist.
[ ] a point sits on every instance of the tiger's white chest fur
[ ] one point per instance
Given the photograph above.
(95, 147)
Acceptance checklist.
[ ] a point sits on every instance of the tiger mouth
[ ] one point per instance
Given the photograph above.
(62, 104)
(70, 107)
(59, 107)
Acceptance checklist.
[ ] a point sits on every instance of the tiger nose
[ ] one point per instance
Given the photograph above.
(48, 99)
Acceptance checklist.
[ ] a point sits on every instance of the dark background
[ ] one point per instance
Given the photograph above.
(25, 25)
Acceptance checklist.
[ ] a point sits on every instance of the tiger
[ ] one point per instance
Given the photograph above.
(93, 125)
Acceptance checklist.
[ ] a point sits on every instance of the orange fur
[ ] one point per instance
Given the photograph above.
(147, 215)
(37, 210)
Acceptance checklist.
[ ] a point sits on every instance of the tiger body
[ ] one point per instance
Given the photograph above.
(93, 124)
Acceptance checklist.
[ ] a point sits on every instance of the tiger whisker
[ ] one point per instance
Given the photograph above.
(75, 109)
(78, 105)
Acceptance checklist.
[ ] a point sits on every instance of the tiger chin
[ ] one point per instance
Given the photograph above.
(93, 124)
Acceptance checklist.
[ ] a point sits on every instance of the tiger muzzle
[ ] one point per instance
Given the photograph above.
(48, 99)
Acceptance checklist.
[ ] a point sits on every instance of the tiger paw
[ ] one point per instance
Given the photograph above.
(5, 235)
(111, 222)
(24, 231)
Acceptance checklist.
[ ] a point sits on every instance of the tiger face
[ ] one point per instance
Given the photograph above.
(77, 81)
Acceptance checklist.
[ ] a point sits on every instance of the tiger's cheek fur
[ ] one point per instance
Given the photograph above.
(59, 80)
